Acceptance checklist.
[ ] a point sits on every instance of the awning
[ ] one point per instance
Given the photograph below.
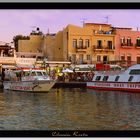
(8, 66)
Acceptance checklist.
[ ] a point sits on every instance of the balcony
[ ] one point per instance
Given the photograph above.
(103, 48)
(81, 48)
(103, 33)
(128, 46)
(111, 48)
(137, 46)
(97, 47)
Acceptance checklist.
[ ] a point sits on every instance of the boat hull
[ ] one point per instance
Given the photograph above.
(115, 86)
(30, 86)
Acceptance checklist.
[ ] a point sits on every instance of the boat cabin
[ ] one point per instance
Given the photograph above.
(132, 74)
(26, 74)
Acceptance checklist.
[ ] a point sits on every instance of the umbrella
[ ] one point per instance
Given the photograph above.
(67, 71)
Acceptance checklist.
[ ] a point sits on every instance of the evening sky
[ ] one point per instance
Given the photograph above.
(22, 22)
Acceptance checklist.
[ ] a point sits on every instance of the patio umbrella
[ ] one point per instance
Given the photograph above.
(67, 71)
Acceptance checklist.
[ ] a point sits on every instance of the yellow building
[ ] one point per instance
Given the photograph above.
(49, 46)
(90, 44)
(33, 44)
(37, 44)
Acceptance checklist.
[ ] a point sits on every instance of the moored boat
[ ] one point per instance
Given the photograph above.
(128, 80)
(27, 79)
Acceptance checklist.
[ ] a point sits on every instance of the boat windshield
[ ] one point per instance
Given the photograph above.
(44, 73)
(135, 72)
(33, 73)
(39, 73)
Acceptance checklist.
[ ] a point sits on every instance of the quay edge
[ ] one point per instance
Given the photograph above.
(70, 85)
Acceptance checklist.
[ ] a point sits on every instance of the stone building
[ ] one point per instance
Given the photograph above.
(92, 43)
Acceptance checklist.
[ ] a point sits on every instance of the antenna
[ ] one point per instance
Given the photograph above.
(83, 20)
(107, 18)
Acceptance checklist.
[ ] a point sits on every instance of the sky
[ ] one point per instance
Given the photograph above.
(22, 22)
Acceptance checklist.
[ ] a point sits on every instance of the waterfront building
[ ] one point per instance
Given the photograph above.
(32, 43)
(127, 46)
(36, 45)
(6, 49)
(90, 44)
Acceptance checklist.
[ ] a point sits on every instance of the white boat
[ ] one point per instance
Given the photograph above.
(26, 79)
(127, 80)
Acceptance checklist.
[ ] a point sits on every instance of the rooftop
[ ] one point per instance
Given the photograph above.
(122, 28)
(97, 24)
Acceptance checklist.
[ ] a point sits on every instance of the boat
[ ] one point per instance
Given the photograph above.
(27, 79)
(122, 80)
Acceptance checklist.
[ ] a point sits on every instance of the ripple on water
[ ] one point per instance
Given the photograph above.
(70, 109)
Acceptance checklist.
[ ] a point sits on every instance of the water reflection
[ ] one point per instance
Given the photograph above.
(70, 109)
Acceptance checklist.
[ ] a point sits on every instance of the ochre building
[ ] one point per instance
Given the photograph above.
(92, 43)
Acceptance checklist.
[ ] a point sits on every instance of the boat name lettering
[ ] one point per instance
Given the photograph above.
(133, 85)
(118, 85)
(21, 88)
(102, 84)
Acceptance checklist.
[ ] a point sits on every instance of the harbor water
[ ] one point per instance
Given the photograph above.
(70, 109)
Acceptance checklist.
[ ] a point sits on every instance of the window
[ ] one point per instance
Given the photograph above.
(135, 72)
(39, 73)
(26, 73)
(74, 58)
(99, 44)
(33, 73)
(67, 36)
(109, 45)
(129, 58)
(44, 73)
(81, 43)
(129, 42)
(130, 78)
(98, 58)
(138, 42)
(88, 57)
(123, 41)
(87, 43)
(74, 43)
(122, 57)
(117, 78)
(98, 78)
(105, 78)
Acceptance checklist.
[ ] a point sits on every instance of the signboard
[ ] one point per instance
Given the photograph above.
(7, 60)
(25, 61)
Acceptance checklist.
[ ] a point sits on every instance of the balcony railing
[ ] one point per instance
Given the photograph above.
(137, 46)
(97, 47)
(127, 45)
(104, 32)
(103, 48)
(81, 48)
